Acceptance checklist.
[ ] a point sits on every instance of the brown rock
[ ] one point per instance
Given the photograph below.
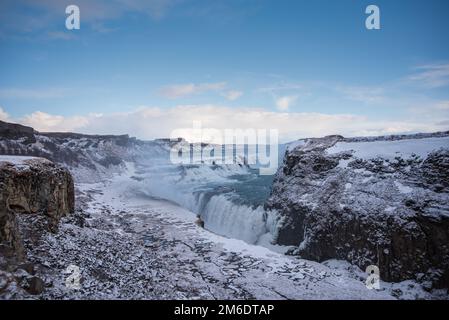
(36, 285)
(32, 186)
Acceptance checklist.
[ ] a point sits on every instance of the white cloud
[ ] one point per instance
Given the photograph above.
(3, 115)
(182, 90)
(283, 103)
(232, 94)
(442, 105)
(45, 122)
(153, 122)
(363, 94)
(176, 91)
(432, 108)
(432, 76)
(282, 87)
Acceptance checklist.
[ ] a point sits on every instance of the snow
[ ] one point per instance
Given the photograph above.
(259, 271)
(180, 254)
(344, 163)
(16, 160)
(390, 209)
(390, 149)
(403, 189)
(19, 162)
(295, 144)
(133, 246)
(367, 179)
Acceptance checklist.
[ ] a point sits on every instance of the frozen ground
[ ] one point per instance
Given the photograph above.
(390, 149)
(19, 162)
(15, 159)
(129, 246)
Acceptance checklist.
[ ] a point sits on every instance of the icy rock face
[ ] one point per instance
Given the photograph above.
(372, 201)
(31, 186)
(89, 157)
(17, 131)
(34, 194)
(10, 240)
(36, 185)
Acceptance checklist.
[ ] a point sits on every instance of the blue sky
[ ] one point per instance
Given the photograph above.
(309, 67)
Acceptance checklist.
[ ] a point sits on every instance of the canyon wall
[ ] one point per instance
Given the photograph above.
(372, 201)
(34, 194)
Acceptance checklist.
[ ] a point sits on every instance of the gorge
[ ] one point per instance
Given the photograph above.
(380, 201)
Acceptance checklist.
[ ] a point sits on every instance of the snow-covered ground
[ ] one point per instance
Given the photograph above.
(405, 148)
(19, 161)
(15, 159)
(142, 248)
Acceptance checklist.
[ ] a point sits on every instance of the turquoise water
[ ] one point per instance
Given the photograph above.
(229, 199)
(252, 190)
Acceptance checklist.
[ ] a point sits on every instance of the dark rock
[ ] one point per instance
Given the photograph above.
(392, 213)
(28, 267)
(91, 155)
(35, 285)
(37, 186)
(34, 194)
(17, 131)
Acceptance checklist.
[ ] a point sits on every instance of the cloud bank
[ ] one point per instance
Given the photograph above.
(177, 91)
(3, 115)
(432, 75)
(152, 122)
(283, 103)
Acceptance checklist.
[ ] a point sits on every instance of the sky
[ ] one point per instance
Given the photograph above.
(148, 67)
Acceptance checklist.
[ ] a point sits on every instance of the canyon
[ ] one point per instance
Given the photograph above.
(335, 206)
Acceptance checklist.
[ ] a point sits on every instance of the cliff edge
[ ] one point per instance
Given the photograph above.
(34, 194)
(372, 201)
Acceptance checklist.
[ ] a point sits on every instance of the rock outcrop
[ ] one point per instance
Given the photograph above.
(34, 194)
(89, 158)
(13, 131)
(34, 185)
(372, 201)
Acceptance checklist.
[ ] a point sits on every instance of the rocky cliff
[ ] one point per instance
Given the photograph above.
(34, 194)
(372, 201)
(89, 157)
